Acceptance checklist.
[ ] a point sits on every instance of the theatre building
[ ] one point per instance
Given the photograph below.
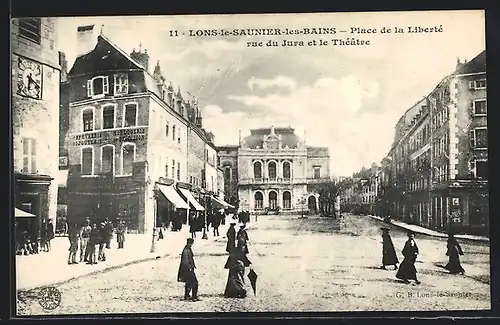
(276, 171)
(35, 117)
(127, 137)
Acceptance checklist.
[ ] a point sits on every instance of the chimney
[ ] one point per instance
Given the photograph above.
(87, 39)
(64, 66)
(141, 57)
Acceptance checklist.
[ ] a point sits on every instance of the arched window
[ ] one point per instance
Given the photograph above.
(257, 170)
(287, 200)
(128, 158)
(286, 170)
(272, 169)
(107, 158)
(273, 200)
(87, 163)
(227, 174)
(258, 200)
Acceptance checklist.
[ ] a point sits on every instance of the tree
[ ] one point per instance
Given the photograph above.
(328, 193)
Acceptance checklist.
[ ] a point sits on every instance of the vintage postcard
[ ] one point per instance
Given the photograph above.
(251, 163)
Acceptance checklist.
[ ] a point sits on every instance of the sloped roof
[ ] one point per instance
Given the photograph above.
(256, 137)
(478, 64)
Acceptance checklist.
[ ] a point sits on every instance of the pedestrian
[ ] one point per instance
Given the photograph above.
(407, 270)
(389, 256)
(120, 233)
(231, 238)
(103, 240)
(93, 243)
(109, 232)
(242, 239)
(453, 252)
(235, 287)
(50, 235)
(192, 225)
(84, 242)
(186, 272)
(43, 236)
(74, 238)
(216, 223)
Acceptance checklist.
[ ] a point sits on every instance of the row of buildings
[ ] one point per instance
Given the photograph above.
(128, 145)
(436, 172)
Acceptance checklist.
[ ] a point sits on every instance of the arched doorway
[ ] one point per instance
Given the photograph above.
(311, 204)
(287, 200)
(273, 200)
(258, 201)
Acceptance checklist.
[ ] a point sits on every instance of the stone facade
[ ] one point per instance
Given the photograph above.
(275, 170)
(35, 112)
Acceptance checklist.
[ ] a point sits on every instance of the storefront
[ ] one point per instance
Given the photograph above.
(170, 206)
(32, 197)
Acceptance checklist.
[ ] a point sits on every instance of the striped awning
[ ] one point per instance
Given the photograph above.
(191, 199)
(171, 194)
(223, 204)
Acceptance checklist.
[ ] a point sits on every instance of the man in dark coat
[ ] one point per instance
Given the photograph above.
(74, 238)
(242, 238)
(103, 240)
(453, 252)
(407, 270)
(94, 237)
(389, 256)
(186, 272)
(231, 238)
(216, 223)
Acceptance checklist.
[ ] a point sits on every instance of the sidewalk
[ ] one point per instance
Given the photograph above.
(430, 232)
(51, 268)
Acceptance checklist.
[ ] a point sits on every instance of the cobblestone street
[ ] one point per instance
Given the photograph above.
(303, 265)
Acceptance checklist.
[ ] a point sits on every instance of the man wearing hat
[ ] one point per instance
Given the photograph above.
(231, 238)
(242, 238)
(186, 272)
(407, 270)
(389, 256)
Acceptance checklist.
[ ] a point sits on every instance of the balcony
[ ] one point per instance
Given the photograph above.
(276, 181)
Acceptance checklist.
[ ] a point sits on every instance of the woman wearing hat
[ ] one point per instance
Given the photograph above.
(236, 263)
(453, 252)
(231, 238)
(242, 238)
(407, 270)
(389, 256)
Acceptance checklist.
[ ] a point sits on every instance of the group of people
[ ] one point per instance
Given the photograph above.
(214, 220)
(92, 239)
(29, 243)
(237, 247)
(407, 270)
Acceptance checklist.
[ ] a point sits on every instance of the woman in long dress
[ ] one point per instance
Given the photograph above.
(407, 270)
(389, 256)
(236, 263)
(453, 252)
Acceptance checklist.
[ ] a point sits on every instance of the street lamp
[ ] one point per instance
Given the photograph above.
(205, 234)
(153, 242)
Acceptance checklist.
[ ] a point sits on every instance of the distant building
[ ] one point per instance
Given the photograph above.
(35, 116)
(275, 170)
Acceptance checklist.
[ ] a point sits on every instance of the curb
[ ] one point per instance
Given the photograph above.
(399, 225)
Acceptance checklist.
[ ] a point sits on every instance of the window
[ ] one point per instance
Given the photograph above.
(257, 170)
(181, 110)
(286, 170)
(128, 158)
(30, 28)
(272, 170)
(227, 174)
(479, 138)
(87, 163)
(88, 119)
(179, 138)
(190, 179)
(166, 129)
(173, 132)
(130, 115)
(121, 84)
(108, 117)
(179, 171)
(258, 200)
(477, 84)
(98, 86)
(29, 155)
(317, 172)
(166, 167)
(273, 200)
(173, 169)
(479, 107)
(287, 200)
(108, 159)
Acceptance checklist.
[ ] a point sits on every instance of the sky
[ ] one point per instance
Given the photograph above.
(346, 98)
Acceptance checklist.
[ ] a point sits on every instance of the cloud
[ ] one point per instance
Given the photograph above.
(279, 81)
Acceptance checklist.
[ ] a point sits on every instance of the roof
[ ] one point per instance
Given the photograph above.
(476, 65)
(256, 137)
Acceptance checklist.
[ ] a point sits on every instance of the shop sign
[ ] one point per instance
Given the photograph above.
(107, 136)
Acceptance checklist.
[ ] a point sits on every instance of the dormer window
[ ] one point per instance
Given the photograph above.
(98, 86)
(121, 84)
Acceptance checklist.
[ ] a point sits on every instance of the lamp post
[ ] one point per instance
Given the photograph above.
(153, 242)
(205, 234)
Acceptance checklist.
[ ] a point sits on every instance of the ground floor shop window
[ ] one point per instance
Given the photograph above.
(258, 200)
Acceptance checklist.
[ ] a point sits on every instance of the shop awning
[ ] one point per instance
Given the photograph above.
(23, 214)
(174, 197)
(221, 203)
(191, 199)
